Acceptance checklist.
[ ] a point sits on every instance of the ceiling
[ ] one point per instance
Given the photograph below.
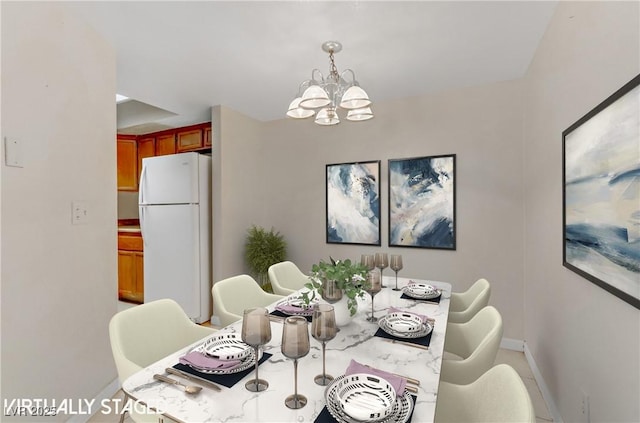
(181, 58)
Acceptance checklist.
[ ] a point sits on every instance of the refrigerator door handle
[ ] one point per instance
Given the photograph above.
(143, 178)
(142, 231)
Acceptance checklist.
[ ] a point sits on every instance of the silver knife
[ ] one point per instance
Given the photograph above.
(193, 378)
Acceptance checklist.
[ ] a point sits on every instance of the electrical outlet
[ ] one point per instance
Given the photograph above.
(79, 213)
(13, 152)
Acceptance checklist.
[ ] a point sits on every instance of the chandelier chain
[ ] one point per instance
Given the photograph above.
(333, 70)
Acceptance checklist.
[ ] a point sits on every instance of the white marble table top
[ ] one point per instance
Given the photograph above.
(355, 341)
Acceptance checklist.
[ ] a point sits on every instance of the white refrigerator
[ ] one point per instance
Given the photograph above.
(175, 220)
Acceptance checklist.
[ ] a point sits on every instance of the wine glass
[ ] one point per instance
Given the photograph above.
(396, 265)
(256, 331)
(295, 345)
(323, 329)
(367, 261)
(382, 262)
(374, 285)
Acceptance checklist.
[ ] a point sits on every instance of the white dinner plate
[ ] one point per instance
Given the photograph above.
(421, 291)
(392, 324)
(227, 346)
(403, 322)
(400, 412)
(245, 363)
(366, 397)
(298, 302)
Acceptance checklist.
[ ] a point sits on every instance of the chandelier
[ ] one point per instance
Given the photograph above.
(327, 95)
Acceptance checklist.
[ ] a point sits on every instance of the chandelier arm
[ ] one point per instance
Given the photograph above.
(315, 80)
(353, 77)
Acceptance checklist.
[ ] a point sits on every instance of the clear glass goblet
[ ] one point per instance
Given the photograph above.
(295, 345)
(256, 331)
(368, 261)
(323, 329)
(382, 262)
(396, 266)
(373, 286)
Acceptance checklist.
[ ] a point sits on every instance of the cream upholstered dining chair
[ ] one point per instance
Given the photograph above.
(286, 278)
(464, 305)
(498, 396)
(232, 295)
(472, 347)
(144, 334)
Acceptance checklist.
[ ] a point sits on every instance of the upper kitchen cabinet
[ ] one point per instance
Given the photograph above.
(146, 148)
(207, 136)
(166, 144)
(190, 139)
(127, 147)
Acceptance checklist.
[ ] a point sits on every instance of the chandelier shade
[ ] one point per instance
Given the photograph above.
(297, 112)
(331, 94)
(358, 115)
(327, 116)
(355, 98)
(314, 97)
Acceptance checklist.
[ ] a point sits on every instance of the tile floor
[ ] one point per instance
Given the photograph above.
(515, 359)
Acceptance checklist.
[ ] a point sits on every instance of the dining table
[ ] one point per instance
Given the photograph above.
(360, 340)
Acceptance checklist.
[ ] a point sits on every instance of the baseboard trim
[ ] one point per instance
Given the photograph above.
(544, 389)
(512, 344)
(108, 392)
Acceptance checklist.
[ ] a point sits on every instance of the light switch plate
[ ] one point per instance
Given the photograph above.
(13, 152)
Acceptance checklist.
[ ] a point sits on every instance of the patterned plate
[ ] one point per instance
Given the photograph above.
(246, 363)
(391, 323)
(295, 306)
(400, 412)
(421, 291)
(366, 397)
(228, 346)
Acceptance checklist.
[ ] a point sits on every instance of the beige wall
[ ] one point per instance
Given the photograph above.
(58, 280)
(274, 175)
(238, 198)
(582, 338)
(127, 205)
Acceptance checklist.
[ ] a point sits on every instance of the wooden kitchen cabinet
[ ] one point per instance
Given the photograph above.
(207, 136)
(127, 162)
(188, 140)
(130, 268)
(166, 144)
(146, 148)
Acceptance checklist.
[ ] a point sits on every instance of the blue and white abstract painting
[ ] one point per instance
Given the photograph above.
(353, 203)
(602, 196)
(422, 202)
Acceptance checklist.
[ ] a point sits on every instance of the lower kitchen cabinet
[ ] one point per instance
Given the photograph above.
(130, 269)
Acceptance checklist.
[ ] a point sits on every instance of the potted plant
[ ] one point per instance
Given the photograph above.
(335, 279)
(263, 249)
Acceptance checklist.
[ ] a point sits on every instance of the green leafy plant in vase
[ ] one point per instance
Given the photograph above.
(333, 279)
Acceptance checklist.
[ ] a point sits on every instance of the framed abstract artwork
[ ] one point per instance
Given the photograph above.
(422, 202)
(601, 194)
(353, 203)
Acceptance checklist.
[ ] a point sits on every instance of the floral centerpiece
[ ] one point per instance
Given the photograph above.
(349, 278)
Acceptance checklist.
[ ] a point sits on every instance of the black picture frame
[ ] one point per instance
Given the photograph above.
(353, 203)
(422, 202)
(601, 194)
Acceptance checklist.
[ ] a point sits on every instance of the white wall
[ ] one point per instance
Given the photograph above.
(583, 339)
(59, 281)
